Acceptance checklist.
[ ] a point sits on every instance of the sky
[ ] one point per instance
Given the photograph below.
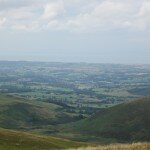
(93, 31)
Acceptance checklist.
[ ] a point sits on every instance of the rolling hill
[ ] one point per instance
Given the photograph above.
(19, 113)
(125, 122)
(14, 140)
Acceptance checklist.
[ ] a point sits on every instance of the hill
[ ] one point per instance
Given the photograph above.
(15, 140)
(125, 122)
(19, 113)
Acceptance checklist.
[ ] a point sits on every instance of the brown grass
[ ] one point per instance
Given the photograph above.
(134, 146)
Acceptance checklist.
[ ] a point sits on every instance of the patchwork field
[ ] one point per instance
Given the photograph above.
(80, 88)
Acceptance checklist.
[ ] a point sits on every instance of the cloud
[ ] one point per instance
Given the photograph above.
(2, 21)
(107, 14)
(14, 4)
(143, 18)
(75, 15)
(53, 10)
(53, 13)
(114, 14)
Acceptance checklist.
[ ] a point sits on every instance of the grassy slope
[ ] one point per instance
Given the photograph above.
(134, 146)
(15, 140)
(122, 123)
(18, 113)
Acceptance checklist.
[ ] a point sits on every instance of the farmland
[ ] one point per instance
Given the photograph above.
(80, 88)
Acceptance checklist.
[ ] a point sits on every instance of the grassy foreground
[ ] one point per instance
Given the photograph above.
(134, 146)
(14, 140)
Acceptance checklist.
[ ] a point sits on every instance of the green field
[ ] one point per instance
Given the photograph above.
(82, 88)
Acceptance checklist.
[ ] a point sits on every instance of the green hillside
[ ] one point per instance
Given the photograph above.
(122, 123)
(125, 122)
(18, 113)
(14, 140)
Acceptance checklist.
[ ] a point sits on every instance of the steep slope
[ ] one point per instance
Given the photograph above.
(18, 113)
(122, 123)
(13, 140)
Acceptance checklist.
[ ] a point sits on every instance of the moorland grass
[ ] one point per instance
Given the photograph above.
(134, 146)
(14, 140)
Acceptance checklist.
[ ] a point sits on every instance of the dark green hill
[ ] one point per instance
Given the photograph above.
(18, 113)
(140, 91)
(122, 123)
(14, 140)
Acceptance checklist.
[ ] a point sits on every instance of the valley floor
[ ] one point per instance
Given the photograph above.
(134, 146)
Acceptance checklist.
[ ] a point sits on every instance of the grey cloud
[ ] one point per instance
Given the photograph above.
(75, 15)
(14, 4)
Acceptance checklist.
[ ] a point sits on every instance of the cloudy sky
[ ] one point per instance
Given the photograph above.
(101, 31)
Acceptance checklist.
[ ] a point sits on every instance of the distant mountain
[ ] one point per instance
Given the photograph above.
(14, 140)
(122, 123)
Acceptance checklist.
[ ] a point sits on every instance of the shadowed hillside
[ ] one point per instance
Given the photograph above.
(122, 123)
